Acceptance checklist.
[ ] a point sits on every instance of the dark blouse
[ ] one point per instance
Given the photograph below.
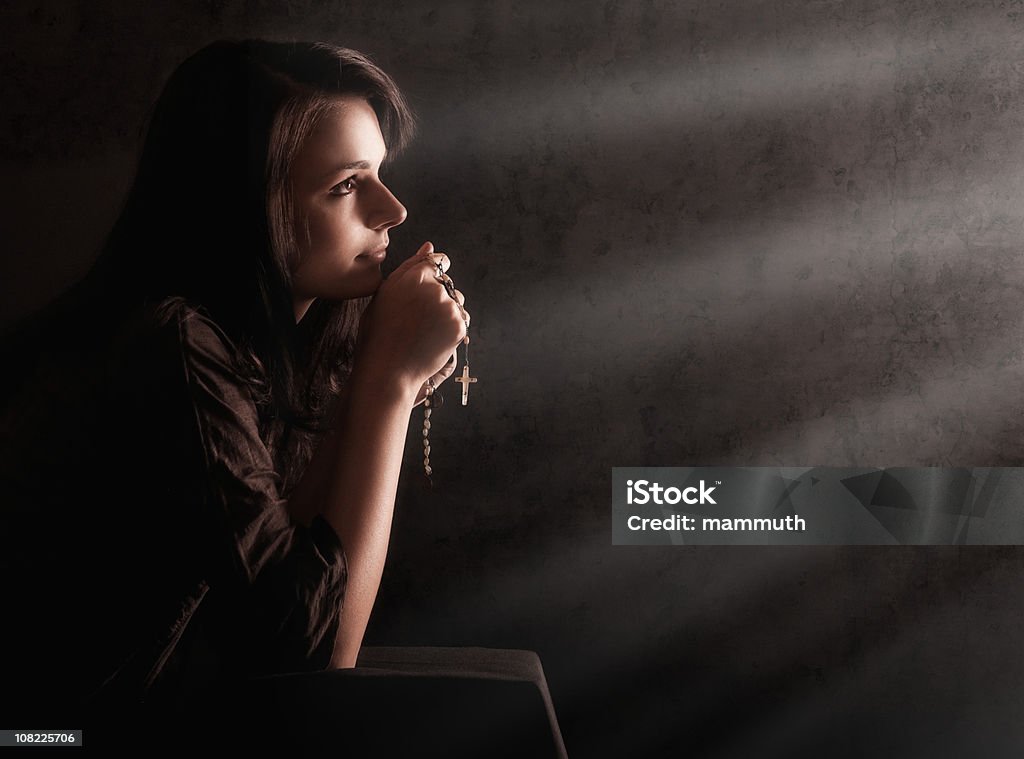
(147, 551)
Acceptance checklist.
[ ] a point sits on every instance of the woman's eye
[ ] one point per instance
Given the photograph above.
(344, 187)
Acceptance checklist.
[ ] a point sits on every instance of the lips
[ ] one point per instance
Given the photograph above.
(375, 255)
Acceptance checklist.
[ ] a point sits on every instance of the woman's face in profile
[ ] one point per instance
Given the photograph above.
(346, 208)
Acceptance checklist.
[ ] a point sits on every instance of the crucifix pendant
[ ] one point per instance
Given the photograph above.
(466, 381)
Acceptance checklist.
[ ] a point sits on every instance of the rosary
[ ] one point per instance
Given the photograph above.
(430, 402)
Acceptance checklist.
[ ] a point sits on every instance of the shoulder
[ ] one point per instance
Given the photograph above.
(218, 397)
(191, 328)
(202, 355)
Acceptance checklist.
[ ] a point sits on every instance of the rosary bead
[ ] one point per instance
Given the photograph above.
(426, 424)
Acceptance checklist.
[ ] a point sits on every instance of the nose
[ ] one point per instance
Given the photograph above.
(387, 211)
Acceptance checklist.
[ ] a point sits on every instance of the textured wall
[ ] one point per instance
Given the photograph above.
(689, 233)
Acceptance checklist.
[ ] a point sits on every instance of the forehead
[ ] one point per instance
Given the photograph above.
(347, 133)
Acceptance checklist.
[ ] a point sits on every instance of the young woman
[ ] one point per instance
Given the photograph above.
(202, 440)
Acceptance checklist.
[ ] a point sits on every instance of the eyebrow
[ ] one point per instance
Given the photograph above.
(347, 167)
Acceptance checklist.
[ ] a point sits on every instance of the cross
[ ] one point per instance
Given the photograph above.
(466, 381)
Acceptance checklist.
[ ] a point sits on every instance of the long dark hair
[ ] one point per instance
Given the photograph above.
(210, 217)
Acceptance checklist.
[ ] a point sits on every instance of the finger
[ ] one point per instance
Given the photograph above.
(460, 298)
(439, 258)
(447, 371)
(432, 262)
(425, 253)
(462, 312)
(449, 288)
(440, 375)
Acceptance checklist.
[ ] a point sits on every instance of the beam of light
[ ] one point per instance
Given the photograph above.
(612, 99)
(960, 418)
(779, 255)
(654, 128)
(927, 426)
(532, 583)
(823, 328)
(759, 84)
(762, 261)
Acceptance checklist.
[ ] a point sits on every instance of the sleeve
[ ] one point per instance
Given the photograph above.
(276, 586)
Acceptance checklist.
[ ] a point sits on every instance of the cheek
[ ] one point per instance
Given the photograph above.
(330, 229)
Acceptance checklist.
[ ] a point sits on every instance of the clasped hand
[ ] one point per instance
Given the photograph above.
(412, 327)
